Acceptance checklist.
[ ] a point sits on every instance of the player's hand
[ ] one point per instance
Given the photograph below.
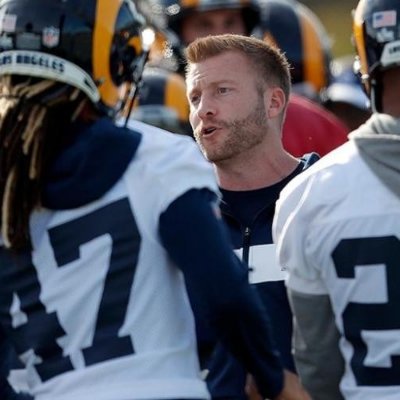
(251, 389)
(292, 389)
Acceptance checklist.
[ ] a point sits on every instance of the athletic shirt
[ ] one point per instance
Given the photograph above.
(249, 215)
(337, 229)
(97, 309)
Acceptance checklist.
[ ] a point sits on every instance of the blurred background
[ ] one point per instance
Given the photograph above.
(336, 17)
(315, 35)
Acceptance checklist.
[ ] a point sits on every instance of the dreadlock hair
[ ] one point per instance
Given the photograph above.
(34, 114)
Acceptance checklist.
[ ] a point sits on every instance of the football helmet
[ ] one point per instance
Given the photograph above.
(175, 10)
(345, 86)
(93, 45)
(162, 102)
(376, 30)
(345, 96)
(299, 33)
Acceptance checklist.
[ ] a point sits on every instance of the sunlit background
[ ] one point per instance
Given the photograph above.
(336, 17)
(334, 14)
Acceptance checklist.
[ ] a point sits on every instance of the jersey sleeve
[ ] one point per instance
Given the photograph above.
(291, 227)
(315, 340)
(297, 235)
(199, 244)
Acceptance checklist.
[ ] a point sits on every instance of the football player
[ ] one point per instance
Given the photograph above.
(103, 224)
(337, 229)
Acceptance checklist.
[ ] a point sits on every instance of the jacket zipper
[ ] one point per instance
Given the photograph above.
(246, 246)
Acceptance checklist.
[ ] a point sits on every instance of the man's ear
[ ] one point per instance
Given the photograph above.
(274, 101)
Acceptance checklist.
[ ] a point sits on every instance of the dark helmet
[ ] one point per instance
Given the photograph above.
(345, 86)
(162, 102)
(176, 10)
(376, 29)
(94, 45)
(345, 96)
(299, 33)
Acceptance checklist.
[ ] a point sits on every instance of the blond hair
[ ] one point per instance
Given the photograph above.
(270, 64)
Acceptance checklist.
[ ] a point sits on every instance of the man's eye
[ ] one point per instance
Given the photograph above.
(223, 90)
(194, 99)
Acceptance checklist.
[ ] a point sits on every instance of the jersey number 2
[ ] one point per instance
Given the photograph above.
(364, 252)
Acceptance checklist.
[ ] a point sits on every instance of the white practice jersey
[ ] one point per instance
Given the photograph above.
(337, 229)
(100, 281)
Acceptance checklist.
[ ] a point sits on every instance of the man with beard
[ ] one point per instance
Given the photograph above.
(238, 89)
(287, 24)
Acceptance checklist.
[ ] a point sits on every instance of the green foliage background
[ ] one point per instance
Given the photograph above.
(336, 17)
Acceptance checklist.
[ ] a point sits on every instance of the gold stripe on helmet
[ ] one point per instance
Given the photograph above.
(313, 55)
(107, 13)
(190, 3)
(358, 31)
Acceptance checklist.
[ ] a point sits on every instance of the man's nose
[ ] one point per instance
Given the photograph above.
(206, 108)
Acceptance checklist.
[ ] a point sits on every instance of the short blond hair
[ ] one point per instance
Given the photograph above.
(270, 63)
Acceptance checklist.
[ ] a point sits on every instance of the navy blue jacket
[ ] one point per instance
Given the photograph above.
(249, 216)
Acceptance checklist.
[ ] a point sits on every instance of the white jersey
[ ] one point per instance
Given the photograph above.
(117, 305)
(337, 229)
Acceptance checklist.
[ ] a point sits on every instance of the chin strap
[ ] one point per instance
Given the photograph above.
(376, 95)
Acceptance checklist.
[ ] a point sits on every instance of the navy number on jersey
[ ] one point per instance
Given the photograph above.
(42, 329)
(358, 317)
